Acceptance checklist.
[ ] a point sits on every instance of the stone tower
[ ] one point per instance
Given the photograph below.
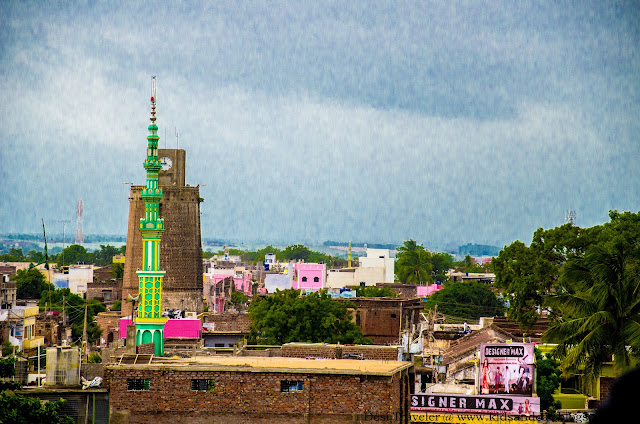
(181, 243)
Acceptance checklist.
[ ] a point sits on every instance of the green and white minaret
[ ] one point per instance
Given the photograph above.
(149, 321)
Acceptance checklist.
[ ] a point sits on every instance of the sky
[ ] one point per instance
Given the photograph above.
(445, 122)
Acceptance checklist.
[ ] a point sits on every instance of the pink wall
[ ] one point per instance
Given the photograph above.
(191, 328)
(311, 271)
(243, 284)
(424, 291)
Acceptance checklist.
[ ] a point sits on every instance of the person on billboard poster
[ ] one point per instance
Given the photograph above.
(485, 377)
(497, 378)
(507, 379)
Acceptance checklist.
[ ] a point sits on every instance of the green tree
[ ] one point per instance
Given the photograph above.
(75, 306)
(30, 283)
(296, 252)
(238, 299)
(14, 255)
(117, 305)
(547, 382)
(104, 256)
(118, 271)
(374, 291)
(18, 409)
(527, 274)
(74, 254)
(413, 264)
(286, 316)
(468, 301)
(600, 300)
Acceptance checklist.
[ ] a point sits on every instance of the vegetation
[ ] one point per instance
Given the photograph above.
(286, 316)
(238, 300)
(75, 306)
(468, 301)
(290, 253)
(18, 409)
(600, 301)
(374, 291)
(70, 255)
(547, 382)
(416, 265)
(528, 274)
(30, 283)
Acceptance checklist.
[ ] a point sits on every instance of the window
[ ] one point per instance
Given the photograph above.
(304, 279)
(316, 279)
(202, 384)
(291, 386)
(136, 384)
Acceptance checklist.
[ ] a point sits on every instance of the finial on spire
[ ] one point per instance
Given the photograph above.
(153, 99)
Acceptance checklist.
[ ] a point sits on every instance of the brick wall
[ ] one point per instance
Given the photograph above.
(331, 351)
(252, 397)
(228, 321)
(146, 349)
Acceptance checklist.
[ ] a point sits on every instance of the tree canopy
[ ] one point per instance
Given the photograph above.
(529, 273)
(468, 301)
(30, 283)
(374, 291)
(417, 265)
(74, 306)
(600, 304)
(286, 316)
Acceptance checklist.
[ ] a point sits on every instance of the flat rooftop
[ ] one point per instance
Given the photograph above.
(274, 365)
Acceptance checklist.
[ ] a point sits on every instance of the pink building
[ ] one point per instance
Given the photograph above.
(311, 277)
(220, 283)
(424, 291)
(174, 328)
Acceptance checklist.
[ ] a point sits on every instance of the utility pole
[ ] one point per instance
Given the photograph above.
(84, 332)
(64, 316)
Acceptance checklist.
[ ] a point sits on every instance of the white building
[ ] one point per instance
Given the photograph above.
(79, 277)
(377, 267)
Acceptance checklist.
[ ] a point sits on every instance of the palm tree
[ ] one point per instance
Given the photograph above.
(413, 264)
(600, 308)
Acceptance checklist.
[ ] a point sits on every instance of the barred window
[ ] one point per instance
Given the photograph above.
(136, 384)
(287, 386)
(202, 384)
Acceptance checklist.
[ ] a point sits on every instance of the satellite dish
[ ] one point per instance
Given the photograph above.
(132, 299)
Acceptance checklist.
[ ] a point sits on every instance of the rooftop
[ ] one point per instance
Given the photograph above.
(277, 365)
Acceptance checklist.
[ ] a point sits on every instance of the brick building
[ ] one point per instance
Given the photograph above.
(382, 319)
(259, 390)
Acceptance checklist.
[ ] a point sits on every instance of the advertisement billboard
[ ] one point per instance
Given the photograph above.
(506, 369)
(475, 404)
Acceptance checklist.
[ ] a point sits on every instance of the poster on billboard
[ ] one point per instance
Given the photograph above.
(478, 404)
(506, 369)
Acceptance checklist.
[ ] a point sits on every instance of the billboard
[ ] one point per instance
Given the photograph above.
(506, 369)
(475, 404)
(428, 418)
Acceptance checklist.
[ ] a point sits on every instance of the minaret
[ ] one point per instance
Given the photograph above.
(149, 322)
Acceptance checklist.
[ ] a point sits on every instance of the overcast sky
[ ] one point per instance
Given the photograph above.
(446, 122)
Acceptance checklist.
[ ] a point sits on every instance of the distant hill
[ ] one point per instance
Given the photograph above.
(478, 250)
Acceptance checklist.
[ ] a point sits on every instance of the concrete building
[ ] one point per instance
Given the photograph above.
(21, 321)
(80, 276)
(376, 267)
(309, 276)
(259, 390)
(8, 291)
(384, 319)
